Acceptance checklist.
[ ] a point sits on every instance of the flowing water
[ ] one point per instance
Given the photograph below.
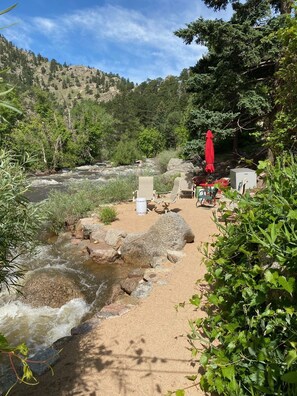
(39, 326)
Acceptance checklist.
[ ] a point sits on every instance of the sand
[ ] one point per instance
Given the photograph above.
(145, 350)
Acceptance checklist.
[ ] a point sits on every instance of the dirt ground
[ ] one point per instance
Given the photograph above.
(145, 350)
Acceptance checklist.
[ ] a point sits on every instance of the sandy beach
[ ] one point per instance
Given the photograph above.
(144, 351)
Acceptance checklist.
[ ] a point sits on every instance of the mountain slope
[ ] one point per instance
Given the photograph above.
(67, 83)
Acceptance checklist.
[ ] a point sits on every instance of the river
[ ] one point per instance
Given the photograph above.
(39, 327)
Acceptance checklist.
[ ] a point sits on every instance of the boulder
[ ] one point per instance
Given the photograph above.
(114, 294)
(115, 238)
(175, 255)
(130, 284)
(170, 232)
(143, 290)
(102, 253)
(48, 289)
(98, 235)
(140, 250)
(86, 226)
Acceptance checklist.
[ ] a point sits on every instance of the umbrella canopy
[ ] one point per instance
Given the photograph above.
(209, 153)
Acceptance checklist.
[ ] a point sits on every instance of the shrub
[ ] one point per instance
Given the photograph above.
(164, 183)
(126, 153)
(70, 206)
(249, 335)
(20, 220)
(107, 215)
(163, 158)
(150, 141)
(82, 198)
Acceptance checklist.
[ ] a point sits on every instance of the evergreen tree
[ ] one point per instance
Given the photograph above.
(233, 84)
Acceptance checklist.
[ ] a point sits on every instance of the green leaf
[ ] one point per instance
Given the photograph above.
(292, 215)
(271, 277)
(180, 392)
(191, 377)
(287, 285)
(195, 300)
(290, 378)
(228, 372)
(203, 360)
(291, 357)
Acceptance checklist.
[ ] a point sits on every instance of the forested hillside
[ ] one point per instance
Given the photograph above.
(72, 115)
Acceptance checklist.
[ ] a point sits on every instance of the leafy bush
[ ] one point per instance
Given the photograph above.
(150, 141)
(107, 215)
(20, 223)
(163, 158)
(126, 153)
(249, 335)
(20, 220)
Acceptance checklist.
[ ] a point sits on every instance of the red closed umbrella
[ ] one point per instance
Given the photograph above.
(209, 152)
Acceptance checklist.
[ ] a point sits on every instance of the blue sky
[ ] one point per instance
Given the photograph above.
(132, 38)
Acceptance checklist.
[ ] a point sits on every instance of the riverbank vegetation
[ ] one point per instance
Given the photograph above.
(81, 199)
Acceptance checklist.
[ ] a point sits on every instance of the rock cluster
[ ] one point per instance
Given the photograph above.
(163, 242)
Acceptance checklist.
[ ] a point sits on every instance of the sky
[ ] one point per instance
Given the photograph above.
(132, 38)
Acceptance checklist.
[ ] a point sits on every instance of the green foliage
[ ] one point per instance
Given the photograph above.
(67, 207)
(163, 159)
(249, 335)
(17, 354)
(126, 153)
(232, 85)
(20, 220)
(118, 190)
(283, 136)
(150, 141)
(164, 183)
(107, 215)
(154, 104)
(81, 198)
(93, 129)
(193, 150)
(181, 134)
(43, 138)
(19, 226)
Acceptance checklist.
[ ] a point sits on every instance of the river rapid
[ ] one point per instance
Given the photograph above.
(39, 326)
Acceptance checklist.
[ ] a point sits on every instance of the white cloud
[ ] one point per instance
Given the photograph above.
(134, 44)
(45, 25)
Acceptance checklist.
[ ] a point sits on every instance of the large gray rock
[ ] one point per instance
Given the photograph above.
(98, 235)
(130, 284)
(139, 250)
(48, 289)
(170, 232)
(102, 253)
(115, 238)
(86, 226)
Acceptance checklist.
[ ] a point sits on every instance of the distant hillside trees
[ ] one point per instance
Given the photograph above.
(74, 115)
(154, 105)
(93, 131)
